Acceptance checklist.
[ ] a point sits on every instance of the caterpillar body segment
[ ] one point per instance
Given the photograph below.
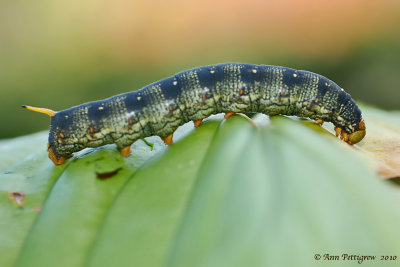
(195, 94)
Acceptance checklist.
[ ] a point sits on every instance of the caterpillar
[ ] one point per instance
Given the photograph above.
(194, 94)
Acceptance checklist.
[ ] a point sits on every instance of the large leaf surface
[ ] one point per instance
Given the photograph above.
(383, 141)
(227, 194)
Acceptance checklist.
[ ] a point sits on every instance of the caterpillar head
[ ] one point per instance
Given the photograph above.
(358, 135)
(354, 137)
(55, 145)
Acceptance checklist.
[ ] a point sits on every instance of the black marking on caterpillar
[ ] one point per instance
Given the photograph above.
(194, 94)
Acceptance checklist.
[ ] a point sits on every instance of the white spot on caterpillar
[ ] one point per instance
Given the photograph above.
(66, 116)
(101, 108)
(174, 82)
(138, 98)
(254, 71)
(212, 71)
(294, 75)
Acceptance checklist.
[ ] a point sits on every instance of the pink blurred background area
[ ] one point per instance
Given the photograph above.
(59, 54)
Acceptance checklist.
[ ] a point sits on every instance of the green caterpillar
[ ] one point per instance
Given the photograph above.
(195, 94)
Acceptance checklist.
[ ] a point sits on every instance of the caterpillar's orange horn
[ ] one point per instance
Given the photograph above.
(47, 111)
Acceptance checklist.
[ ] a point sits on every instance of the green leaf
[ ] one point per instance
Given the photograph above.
(33, 176)
(382, 140)
(153, 201)
(287, 191)
(224, 194)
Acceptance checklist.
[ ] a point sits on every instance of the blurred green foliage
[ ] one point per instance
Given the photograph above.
(58, 55)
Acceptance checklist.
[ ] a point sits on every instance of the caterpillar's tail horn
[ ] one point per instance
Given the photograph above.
(47, 111)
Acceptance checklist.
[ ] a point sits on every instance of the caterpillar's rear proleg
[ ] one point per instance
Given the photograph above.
(168, 140)
(126, 151)
(319, 121)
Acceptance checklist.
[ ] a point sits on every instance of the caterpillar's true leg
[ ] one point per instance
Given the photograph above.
(344, 136)
(338, 130)
(319, 121)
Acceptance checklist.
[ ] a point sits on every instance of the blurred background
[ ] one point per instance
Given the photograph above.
(58, 54)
